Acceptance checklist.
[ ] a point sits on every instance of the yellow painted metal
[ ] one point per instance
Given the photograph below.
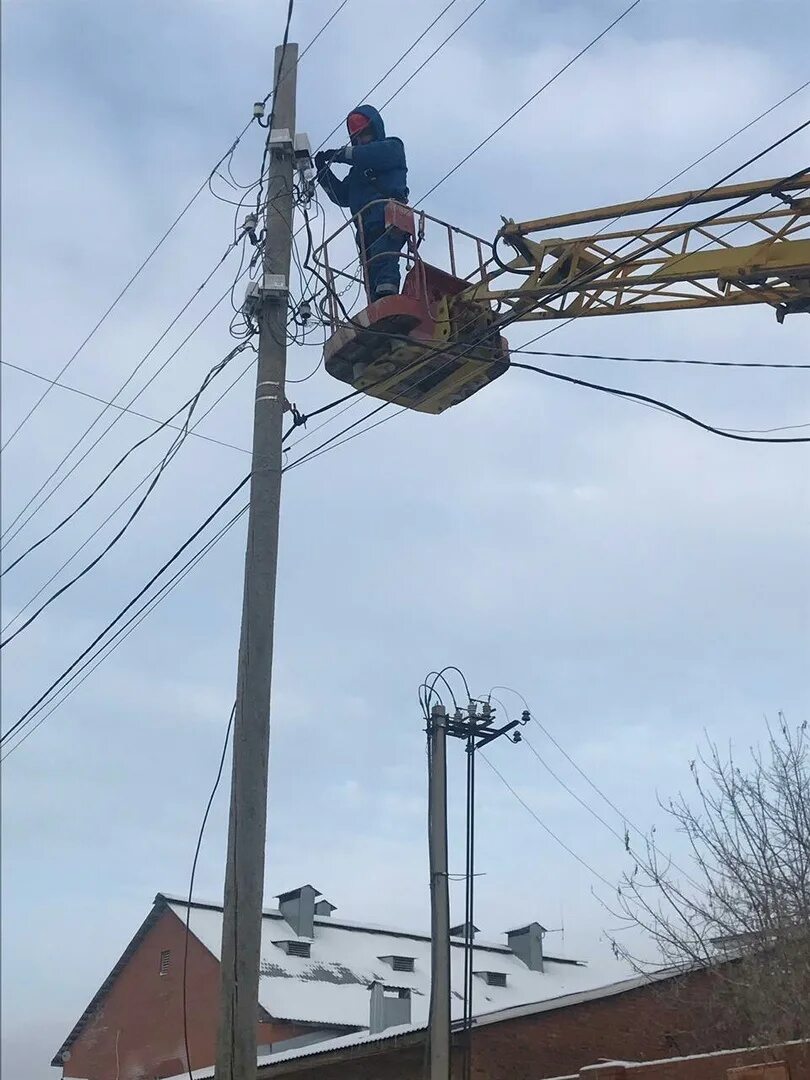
(766, 257)
(751, 247)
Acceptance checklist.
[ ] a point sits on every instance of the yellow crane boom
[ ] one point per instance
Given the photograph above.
(439, 341)
(729, 257)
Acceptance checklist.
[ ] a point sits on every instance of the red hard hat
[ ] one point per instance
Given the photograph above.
(357, 122)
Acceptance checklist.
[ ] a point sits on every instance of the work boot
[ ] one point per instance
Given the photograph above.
(385, 288)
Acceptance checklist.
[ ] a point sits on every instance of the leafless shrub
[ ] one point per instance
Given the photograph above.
(742, 908)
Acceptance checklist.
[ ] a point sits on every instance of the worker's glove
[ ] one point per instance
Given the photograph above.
(336, 155)
(321, 162)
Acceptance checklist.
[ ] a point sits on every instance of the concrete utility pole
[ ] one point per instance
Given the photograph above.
(244, 875)
(439, 899)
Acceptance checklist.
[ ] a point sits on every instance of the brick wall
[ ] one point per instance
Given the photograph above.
(137, 1032)
(788, 1062)
(658, 1021)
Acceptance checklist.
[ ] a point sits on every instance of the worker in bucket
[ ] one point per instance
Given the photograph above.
(378, 172)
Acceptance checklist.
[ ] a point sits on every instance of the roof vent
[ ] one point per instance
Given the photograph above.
(492, 978)
(298, 908)
(461, 930)
(527, 945)
(323, 907)
(295, 948)
(399, 963)
(165, 960)
(390, 1007)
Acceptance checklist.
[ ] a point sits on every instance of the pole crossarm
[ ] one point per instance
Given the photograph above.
(751, 247)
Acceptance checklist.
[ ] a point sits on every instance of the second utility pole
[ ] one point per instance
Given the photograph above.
(439, 1024)
(244, 873)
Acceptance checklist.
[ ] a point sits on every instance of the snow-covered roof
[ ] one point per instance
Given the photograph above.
(331, 986)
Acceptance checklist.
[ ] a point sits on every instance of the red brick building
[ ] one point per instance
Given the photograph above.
(343, 1001)
(320, 978)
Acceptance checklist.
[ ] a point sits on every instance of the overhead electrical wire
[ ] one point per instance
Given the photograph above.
(724, 433)
(395, 65)
(148, 258)
(158, 573)
(183, 430)
(779, 142)
(121, 408)
(56, 684)
(530, 99)
(761, 364)
(122, 503)
(546, 829)
(10, 532)
(626, 822)
(85, 670)
(167, 458)
(193, 875)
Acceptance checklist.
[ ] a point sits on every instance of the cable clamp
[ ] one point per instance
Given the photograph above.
(298, 418)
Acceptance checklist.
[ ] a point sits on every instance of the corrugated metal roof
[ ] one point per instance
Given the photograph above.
(400, 1034)
(331, 986)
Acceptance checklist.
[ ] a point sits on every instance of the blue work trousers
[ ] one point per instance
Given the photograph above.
(382, 247)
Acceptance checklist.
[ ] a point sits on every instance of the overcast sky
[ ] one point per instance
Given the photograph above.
(641, 582)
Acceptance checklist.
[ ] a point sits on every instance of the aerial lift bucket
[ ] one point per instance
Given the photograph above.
(428, 348)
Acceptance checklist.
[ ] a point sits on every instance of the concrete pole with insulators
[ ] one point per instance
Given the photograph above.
(439, 899)
(244, 874)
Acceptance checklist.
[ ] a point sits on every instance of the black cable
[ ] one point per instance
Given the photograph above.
(183, 431)
(395, 65)
(158, 573)
(644, 398)
(5, 536)
(529, 100)
(546, 828)
(56, 684)
(435, 52)
(125, 500)
(661, 360)
(167, 459)
(226, 156)
(354, 394)
(204, 822)
(120, 636)
(126, 287)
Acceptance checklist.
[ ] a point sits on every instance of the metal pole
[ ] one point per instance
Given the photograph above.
(439, 898)
(244, 875)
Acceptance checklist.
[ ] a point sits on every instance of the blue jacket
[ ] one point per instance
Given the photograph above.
(378, 171)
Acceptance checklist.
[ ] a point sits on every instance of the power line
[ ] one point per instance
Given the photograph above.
(121, 408)
(435, 52)
(10, 531)
(663, 360)
(168, 457)
(646, 399)
(145, 262)
(353, 394)
(124, 290)
(110, 646)
(158, 573)
(193, 874)
(530, 99)
(123, 502)
(557, 840)
(397, 62)
(182, 429)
